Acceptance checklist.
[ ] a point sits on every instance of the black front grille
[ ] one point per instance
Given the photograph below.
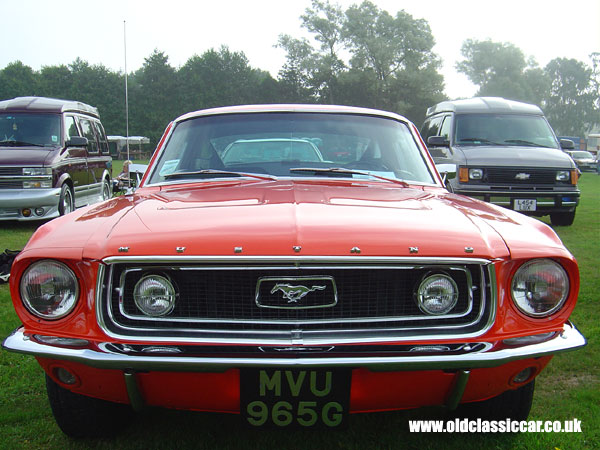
(509, 175)
(11, 184)
(11, 171)
(219, 301)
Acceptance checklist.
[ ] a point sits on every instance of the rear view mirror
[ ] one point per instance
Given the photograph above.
(77, 141)
(567, 144)
(437, 141)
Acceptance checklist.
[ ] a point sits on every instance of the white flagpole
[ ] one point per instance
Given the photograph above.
(126, 98)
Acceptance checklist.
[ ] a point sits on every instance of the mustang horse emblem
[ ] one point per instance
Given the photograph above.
(295, 293)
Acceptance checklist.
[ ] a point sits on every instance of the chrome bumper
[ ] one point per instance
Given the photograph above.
(103, 357)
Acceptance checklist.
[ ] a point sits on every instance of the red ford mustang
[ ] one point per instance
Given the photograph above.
(289, 289)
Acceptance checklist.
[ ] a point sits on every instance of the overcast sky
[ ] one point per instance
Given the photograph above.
(53, 32)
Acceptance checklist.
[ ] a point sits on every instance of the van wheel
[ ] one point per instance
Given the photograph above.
(514, 404)
(66, 202)
(562, 219)
(80, 416)
(106, 191)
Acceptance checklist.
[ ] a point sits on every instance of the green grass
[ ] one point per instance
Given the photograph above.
(568, 388)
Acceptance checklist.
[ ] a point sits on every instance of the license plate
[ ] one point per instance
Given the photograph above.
(525, 204)
(294, 397)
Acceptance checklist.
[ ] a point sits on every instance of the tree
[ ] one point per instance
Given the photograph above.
(17, 80)
(390, 59)
(571, 105)
(219, 78)
(500, 69)
(153, 96)
(56, 81)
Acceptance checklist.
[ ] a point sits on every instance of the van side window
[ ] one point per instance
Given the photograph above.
(431, 127)
(445, 128)
(102, 141)
(90, 134)
(70, 128)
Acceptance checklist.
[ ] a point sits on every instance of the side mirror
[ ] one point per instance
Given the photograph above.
(437, 141)
(567, 144)
(77, 141)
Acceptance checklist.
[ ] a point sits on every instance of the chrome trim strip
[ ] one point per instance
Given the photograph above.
(102, 358)
(141, 318)
(316, 337)
(295, 261)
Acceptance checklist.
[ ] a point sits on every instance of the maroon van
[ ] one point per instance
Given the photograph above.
(54, 157)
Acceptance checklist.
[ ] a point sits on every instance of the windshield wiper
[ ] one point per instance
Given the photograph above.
(212, 173)
(523, 142)
(481, 140)
(20, 144)
(342, 171)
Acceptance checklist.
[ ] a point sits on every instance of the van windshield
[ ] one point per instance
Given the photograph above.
(504, 130)
(30, 130)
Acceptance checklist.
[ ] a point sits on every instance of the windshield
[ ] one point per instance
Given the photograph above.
(291, 145)
(26, 130)
(504, 130)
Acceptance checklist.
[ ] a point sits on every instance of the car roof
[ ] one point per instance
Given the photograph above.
(485, 105)
(46, 105)
(243, 109)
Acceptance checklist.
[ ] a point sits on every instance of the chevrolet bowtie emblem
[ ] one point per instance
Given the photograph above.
(294, 293)
(522, 176)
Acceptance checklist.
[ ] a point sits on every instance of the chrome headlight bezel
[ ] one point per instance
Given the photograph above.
(429, 283)
(168, 298)
(49, 289)
(540, 287)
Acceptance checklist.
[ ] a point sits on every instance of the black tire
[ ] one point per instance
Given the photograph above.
(79, 416)
(562, 219)
(513, 404)
(66, 201)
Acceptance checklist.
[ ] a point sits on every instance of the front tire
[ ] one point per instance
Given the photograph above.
(66, 202)
(514, 404)
(562, 219)
(106, 190)
(80, 416)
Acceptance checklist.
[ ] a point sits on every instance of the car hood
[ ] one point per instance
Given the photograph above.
(273, 217)
(515, 156)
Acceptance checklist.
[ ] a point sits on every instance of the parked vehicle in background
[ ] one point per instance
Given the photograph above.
(292, 293)
(54, 157)
(585, 160)
(505, 153)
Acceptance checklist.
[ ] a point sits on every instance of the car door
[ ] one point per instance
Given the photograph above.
(74, 160)
(85, 192)
(99, 162)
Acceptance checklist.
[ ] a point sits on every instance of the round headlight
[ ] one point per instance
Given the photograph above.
(540, 287)
(437, 294)
(154, 295)
(49, 289)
